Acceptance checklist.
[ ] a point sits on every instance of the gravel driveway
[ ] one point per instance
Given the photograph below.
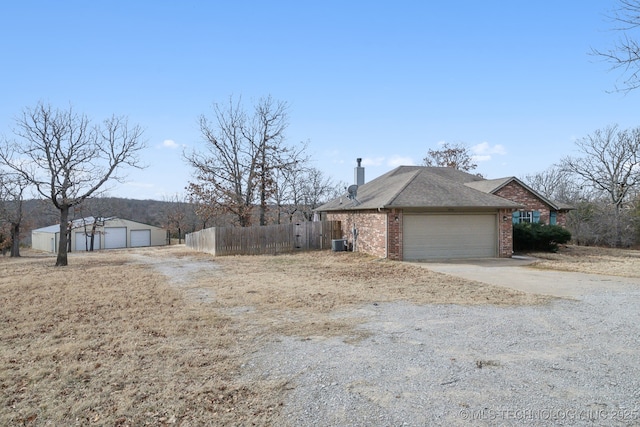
(575, 361)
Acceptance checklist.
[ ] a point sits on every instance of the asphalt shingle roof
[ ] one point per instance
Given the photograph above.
(489, 185)
(420, 187)
(493, 185)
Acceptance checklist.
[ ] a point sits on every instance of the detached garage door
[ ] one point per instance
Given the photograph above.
(83, 242)
(140, 238)
(115, 237)
(449, 236)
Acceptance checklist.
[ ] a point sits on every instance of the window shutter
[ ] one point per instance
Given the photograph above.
(515, 217)
(552, 218)
(536, 216)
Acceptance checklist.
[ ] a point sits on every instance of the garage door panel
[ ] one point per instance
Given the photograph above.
(83, 242)
(115, 237)
(438, 236)
(140, 238)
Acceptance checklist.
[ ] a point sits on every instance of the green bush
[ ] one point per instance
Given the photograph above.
(539, 237)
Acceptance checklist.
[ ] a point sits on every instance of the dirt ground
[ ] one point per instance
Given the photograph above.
(158, 336)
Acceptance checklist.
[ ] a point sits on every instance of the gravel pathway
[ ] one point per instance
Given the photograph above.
(572, 362)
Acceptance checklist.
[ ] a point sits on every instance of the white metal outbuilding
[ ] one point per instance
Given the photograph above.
(110, 233)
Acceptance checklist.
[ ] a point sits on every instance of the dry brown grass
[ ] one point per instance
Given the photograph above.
(595, 260)
(112, 340)
(107, 342)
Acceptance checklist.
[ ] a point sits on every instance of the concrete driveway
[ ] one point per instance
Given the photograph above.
(515, 273)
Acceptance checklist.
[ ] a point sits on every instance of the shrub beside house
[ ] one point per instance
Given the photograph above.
(539, 237)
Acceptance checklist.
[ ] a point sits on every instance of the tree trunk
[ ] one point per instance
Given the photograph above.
(263, 203)
(93, 234)
(61, 261)
(244, 217)
(15, 239)
(618, 228)
(86, 242)
(263, 186)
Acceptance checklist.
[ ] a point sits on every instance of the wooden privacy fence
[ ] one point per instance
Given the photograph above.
(268, 239)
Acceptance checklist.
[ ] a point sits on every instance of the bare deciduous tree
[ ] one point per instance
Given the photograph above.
(287, 192)
(300, 190)
(317, 189)
(67, 158)
(266, 133)
(456, 156)
(609, 164)
(208, 213)
(624, 55)
(555, 183)
(12, 189)
(179, 215)
(242, 154)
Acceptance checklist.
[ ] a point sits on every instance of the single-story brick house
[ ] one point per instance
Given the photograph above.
(418, 212)
(108, 233)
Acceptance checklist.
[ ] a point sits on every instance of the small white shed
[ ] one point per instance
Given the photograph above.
(110, 233)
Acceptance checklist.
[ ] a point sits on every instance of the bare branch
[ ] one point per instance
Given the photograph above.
(624, 55)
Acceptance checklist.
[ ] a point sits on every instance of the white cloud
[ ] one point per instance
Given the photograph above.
(395, 161)
(484, 148)
(372, 161)
(392, 161)
(170, 143)
(482, 152)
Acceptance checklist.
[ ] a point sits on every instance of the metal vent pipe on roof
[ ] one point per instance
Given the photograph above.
(359, 173)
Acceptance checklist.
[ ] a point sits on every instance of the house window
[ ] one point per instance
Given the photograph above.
(526, 216)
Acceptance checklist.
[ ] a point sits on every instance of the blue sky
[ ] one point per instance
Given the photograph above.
(384, 81)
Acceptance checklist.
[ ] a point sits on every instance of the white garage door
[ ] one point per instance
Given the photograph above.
(449, 236)
(140, 238)
(83, 242)
(115, 237)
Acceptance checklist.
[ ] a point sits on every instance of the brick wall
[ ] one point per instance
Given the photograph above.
(517, 193)
(394, 238)
(371, 226)
(505, 234)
